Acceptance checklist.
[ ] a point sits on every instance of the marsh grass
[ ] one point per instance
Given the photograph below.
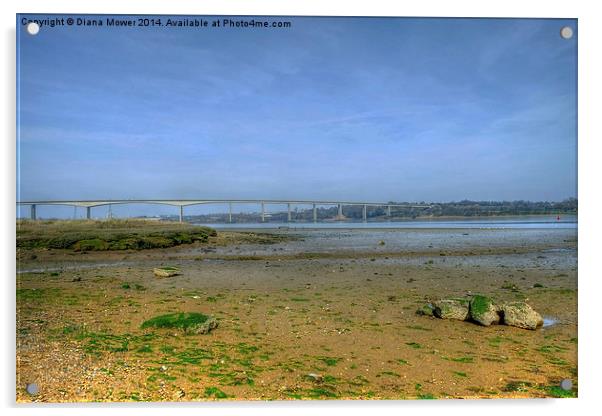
(91, 235)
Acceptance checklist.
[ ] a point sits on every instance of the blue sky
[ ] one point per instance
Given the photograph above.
(332, 108)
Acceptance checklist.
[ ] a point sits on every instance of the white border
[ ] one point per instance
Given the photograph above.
(590, 208)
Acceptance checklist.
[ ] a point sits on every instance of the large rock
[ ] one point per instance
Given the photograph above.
(483, 310)
(521, 315)
(451, 309)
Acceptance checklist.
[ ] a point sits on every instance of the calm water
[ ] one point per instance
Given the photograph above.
(526, 222)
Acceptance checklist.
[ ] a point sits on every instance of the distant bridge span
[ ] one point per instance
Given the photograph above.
(89, 204)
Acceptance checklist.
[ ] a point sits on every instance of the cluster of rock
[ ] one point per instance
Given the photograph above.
(484, 311)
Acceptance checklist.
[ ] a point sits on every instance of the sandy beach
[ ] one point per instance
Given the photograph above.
(311, 314)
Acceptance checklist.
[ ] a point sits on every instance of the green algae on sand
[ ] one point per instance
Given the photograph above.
(190, 323)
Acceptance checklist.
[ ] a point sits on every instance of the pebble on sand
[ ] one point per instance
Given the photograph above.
(166, 271)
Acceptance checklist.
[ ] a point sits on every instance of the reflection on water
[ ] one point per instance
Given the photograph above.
(526, 222)
(549, 322)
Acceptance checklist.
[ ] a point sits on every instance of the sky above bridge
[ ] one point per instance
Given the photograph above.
(331, 108)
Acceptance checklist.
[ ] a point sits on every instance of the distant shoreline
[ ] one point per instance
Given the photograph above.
(450, 217)
(462, 217)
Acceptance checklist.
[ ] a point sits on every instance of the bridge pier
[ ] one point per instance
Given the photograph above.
(289, 212)
(340, 214)
(181, 213)
(88, 213)
(262, 211)
(365, 213)
(33, 211)
(230, 212)
(388, 210)
(315, 213)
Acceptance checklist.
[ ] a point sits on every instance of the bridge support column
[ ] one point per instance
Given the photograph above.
(388, 210)
(230, 212)
(364, 213)
(88, 213)
(289, 212)
(33, 211)
(262, 211)
(181, 213)
(315, 213)
(340, 214)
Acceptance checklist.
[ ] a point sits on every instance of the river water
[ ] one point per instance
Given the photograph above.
(509, 222)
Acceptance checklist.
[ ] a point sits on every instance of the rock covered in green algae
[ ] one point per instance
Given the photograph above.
(483, 310)
(189, 322)
(202, 328)
(521, 315)
(451, 309)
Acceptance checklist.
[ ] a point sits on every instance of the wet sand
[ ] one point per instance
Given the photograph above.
(329, 315)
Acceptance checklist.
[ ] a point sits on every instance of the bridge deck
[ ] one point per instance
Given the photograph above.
(181, 203)
(187, 202)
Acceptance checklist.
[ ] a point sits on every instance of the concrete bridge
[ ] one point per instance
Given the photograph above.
(181, 203)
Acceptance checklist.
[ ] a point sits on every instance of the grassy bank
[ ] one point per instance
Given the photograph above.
(90, 235)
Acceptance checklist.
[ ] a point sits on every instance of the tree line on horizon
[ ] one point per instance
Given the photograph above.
(468, 208)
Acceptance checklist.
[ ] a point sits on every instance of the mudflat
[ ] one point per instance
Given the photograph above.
(312, 314)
